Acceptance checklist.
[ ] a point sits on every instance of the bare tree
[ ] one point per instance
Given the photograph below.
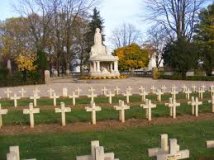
(157, 39)
(177, 17)
(124, 35)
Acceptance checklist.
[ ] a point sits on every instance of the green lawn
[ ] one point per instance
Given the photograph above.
(127, 144)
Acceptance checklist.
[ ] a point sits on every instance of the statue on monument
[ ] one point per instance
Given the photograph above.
(98, 48)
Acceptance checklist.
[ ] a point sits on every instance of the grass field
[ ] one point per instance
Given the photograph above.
(127, 144)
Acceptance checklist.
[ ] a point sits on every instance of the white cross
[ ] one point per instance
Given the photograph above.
(141, 89)
(143, 95)
(104, 90)
(184, 88)
(194, 88)
(129, 88)
(121, 108)
(153, 89)
(212, 102)
(22, 92)
(148, 106)
(92, 96)
(203, 87)
(172, 105)
(91, 89)
(174, 93)
(63, 110)
(78, 90)
(35, 97)
(201, 92)
(74, 96)
(163, 88)
(31, 111)
(2, 112)
(15, 98)
(174, 88)
(36, 91)
(212, 90)
(110, 95)
(188, 92)
(117, 90)
(195, 103)
(127, 94)
(54, 97)
(159, 94)
(93, 109)
(7, 92)
(210, 144)
(50, 91)
(65, 92)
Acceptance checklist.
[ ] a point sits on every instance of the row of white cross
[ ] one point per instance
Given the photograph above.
(169, 150)
(121, 108)
(143, 93)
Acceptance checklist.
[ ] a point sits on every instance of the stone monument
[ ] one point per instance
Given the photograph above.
(102, 64)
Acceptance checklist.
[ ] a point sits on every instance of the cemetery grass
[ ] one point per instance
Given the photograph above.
(128, 143)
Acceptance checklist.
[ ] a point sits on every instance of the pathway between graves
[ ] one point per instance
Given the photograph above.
(101, 125)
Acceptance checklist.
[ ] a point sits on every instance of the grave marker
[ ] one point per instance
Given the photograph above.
(143, 95)
(104, 90)
(22, 91)
(2, 112)
(110, 95)
(117, 90)
(63, 111)
(35, 97)
(93, 109)
(7, 92)
(173, 106)
(15, 98)
(159, 93)
(54, 97)
(188, 92)
(212, 102)
(195, 103)
(148, 106)
(121, 108)
(31, 111)
(74, 96)
(50, 91)
(127, 94)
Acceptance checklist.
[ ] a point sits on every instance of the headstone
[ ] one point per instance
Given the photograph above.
(159, 93)
(73, 96)
(194, 87)
(91, 89)
(212, 102)
(127, 94)
(65, 92)
(168, 152)
(104, 90)
(174, 93)
(117, 90)
(141, 89)
(92, 96)
(143, 95)
(54, 97)
(212, 90)
(15, 98)
(110, 95)
(63, 110)
(184, 88)
(187, 92)
(36, 91)
(201, 92)
(47, 76)
(2, 112)
(35, 97)
(148, 106)
(163, 88)
(129, 88)
(153, 89)
(31, 111)
(195, 103)
(14, 154)
(210, 144)
(172, 105)
(78, 90)
(50, 91)
(93, 109)
(22, 92)
(121, 108)
(97, 153)
(7, 92)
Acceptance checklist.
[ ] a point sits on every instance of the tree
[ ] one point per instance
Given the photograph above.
(156, 42)
(180, 55)
(204, 38)
(132, 57)
(125, 35)
(177, 17)
(96, 22)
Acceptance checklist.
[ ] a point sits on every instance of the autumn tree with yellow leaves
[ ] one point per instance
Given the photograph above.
(132, 57)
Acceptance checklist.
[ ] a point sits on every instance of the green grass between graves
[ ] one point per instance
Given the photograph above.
(127, 144)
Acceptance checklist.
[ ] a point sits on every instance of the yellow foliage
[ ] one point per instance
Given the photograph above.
(26, 62)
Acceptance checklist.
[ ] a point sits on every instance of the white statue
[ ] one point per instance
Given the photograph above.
(98, 48)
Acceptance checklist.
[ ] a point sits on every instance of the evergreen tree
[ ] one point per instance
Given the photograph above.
(204, 38)
(96, 22)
